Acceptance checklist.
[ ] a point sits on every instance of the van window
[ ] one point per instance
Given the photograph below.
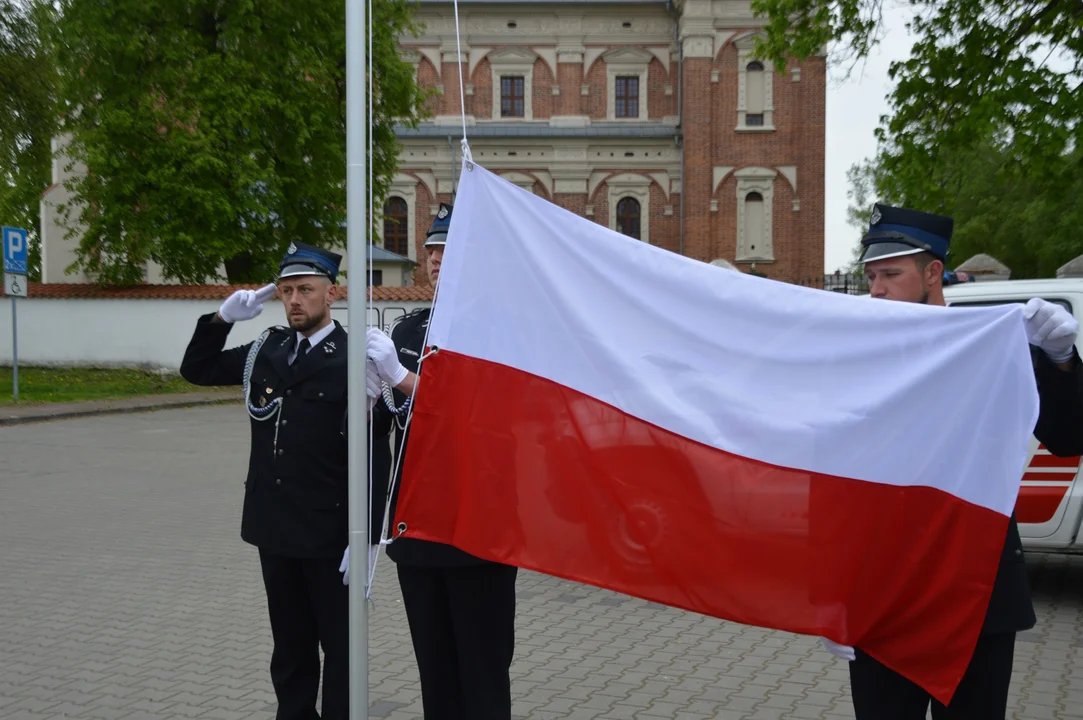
(1022, 301)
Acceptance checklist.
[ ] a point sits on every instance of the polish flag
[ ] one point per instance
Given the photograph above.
(609, 412)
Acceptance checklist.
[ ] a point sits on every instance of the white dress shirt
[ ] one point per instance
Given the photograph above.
(315, 339)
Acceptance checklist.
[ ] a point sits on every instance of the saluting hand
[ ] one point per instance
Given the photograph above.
(1051, 328)
(246, 304)
(386, 358)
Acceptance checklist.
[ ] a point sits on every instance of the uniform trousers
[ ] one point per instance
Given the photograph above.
(462, 623)
(309, 609)
(882, 694)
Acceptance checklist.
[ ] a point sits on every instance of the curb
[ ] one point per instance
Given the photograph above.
(118, 410)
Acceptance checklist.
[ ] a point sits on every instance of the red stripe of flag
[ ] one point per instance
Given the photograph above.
(562, 483)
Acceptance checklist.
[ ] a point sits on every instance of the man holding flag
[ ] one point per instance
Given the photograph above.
(460, 608)
(904, 254)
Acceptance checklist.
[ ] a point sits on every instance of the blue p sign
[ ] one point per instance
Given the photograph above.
(15, 250)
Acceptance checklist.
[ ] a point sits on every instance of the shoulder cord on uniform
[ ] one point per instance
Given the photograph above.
(388, 395)
(257, 413)
(400, 413)
(273, 408)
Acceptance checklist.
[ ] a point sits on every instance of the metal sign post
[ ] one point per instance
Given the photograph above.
(15, 271)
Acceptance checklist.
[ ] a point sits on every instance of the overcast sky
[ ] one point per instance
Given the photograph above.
(854, 107)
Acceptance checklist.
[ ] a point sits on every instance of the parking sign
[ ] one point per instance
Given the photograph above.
(15, 250)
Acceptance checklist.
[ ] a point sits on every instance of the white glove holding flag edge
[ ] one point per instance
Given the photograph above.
(246, 304)
(1051, 328)
(381, 350)
(840, 651)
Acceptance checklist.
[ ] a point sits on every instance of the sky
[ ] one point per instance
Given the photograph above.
(854, 107)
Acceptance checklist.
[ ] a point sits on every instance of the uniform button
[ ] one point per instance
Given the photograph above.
(1018, 552)
(281, 451)
(321, 394)
(283, 422)
(278, 481)
(289, 392)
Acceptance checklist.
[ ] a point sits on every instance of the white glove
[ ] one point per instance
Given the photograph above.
(386, 358)
(1051, 328)
(372, 382)
(841, 651)
(246, 304)
(344, 566)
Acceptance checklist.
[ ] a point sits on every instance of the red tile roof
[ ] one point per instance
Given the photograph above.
(417, 293)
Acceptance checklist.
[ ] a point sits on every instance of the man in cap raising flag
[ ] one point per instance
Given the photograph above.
(904, 255)
(461, 609)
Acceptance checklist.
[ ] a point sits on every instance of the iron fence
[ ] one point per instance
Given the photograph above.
(850, 284)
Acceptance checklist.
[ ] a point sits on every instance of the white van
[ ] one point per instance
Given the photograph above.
(1050, 504)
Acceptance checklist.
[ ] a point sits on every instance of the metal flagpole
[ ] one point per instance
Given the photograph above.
(357, 229)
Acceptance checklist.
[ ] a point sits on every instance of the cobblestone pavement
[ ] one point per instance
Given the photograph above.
(125, 592)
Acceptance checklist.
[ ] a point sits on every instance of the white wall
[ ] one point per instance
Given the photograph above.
(134, 333)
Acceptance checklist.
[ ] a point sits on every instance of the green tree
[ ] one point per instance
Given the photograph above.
(213, 131)
(978, 69)
(986, 115)
(1028, 220)
(28, 120)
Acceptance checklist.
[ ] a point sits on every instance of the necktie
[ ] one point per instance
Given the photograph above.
(302, 348)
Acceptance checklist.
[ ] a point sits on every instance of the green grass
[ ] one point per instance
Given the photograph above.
(55, 385)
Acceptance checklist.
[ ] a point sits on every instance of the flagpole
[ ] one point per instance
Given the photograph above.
(357, 227)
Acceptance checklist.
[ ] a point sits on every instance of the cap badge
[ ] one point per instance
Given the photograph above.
(292, 248)
(442, 214)
(875, 219)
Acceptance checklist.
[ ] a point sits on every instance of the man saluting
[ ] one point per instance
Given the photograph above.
(295, 500)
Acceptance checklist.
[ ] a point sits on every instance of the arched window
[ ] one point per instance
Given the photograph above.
(396, 235)
(628, 217)
(754, 87)
(753, 222)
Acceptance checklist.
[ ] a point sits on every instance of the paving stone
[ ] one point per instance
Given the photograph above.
(128, 594)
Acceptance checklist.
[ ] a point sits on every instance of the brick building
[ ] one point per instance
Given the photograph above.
(650, 117)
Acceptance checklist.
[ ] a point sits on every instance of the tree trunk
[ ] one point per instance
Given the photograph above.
(242, 269)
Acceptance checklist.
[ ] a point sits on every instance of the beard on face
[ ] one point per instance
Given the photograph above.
(304, 324)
